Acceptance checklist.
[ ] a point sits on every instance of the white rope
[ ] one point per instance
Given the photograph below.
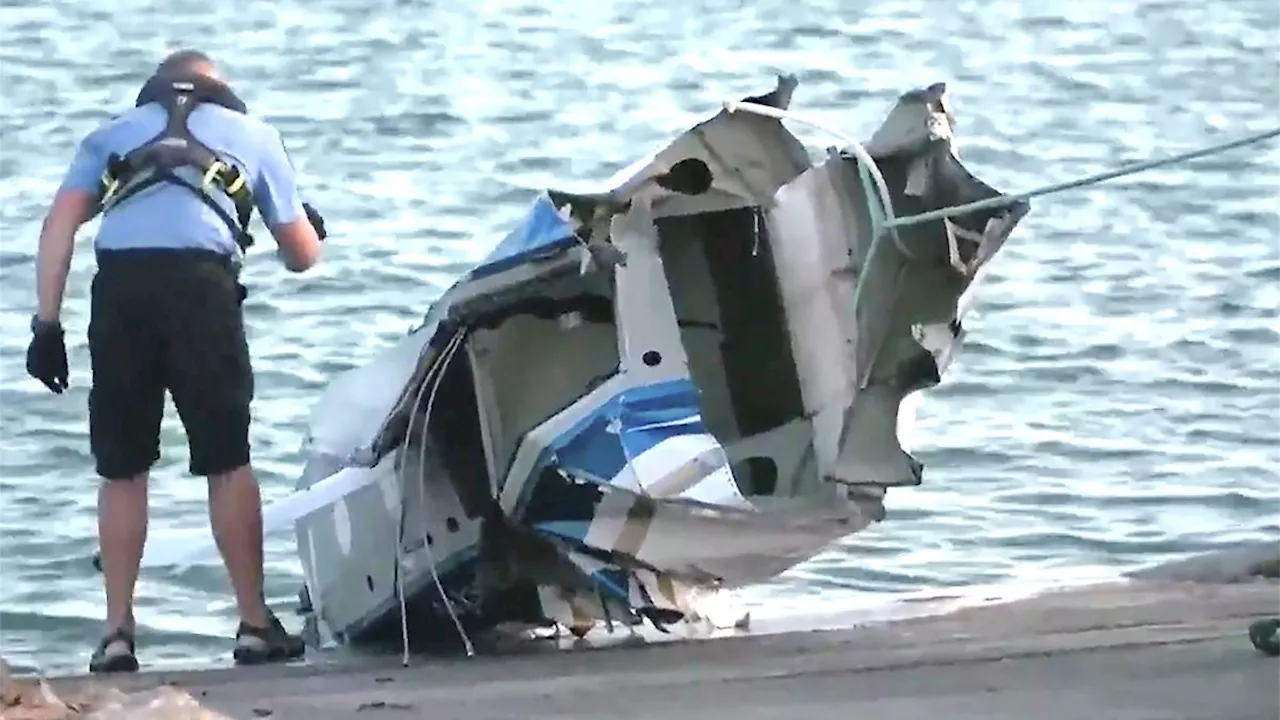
(404, 615)
(430, 383)
(864, 158)
(399, 525)
(446, 357)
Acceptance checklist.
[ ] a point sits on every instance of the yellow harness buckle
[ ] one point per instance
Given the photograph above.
(215, 167)
(109, 186)
(236, 184)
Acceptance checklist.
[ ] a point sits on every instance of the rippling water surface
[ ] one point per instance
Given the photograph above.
(1118, 398)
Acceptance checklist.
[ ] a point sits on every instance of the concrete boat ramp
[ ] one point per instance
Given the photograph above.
(1163, 646)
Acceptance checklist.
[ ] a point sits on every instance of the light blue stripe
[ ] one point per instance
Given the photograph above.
(542, 231)
(597, 447)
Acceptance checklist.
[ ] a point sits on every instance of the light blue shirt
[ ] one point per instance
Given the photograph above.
(168, 216)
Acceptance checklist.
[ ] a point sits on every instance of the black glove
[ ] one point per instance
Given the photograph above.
(316, 220)
(47, 355)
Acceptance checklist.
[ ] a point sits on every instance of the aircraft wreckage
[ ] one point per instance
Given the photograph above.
(686, 380)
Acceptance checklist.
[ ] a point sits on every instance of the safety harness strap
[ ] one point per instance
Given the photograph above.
(157, 160)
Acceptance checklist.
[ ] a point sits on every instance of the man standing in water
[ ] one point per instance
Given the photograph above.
(176, 180)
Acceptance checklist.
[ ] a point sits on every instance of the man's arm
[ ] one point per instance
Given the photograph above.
(75, 203)
(276, 192)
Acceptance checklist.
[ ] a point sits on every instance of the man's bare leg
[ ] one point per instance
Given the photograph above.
(235, 512)
(122, 533)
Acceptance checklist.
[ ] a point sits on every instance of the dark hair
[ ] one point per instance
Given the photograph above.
(183, 62)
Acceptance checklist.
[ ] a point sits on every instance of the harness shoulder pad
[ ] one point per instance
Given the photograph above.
(201, 87)
(175, 146)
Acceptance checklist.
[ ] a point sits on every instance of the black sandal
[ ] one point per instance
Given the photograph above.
(255, 646)
(116, 653)
(1265, 636)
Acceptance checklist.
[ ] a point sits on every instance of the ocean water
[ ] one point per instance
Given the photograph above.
(1117, 401)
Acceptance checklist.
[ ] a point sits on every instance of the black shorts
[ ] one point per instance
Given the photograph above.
(167, 320)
